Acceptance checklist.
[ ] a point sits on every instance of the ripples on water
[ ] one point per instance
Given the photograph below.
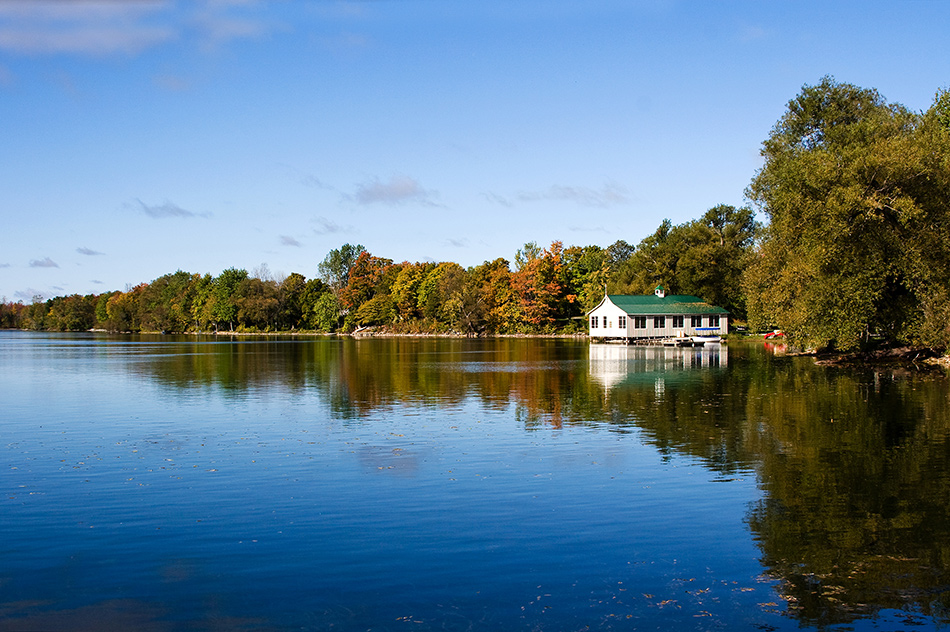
(164, 483)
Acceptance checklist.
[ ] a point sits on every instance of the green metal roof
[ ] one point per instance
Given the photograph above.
(650, 304)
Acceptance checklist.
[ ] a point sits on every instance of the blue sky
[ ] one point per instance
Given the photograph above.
(139, 138)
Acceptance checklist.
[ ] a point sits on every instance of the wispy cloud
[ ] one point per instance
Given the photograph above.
(327, 226)
(287, 240)
(4, 265)
(497, 199)
(457, 243)
(110, 27)
(398, 190)
(89, 251)
(305, 178)
(171, 83)
(587, 229)
(168, 209)
(91, 27)
(607, 195)
(221, 21)
(43, 263)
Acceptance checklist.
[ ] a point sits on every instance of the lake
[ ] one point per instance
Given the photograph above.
(323, 483)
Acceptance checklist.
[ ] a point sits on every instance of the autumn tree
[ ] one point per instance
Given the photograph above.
(368, 277)
(540, 285)
(11, 314)
(124, 309)
(448, 300)
(500, 307)
(334, 270)
(405, 289)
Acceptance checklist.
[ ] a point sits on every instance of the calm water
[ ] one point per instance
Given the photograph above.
(183, 483)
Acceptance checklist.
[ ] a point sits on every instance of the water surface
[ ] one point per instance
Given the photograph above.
(188, 483)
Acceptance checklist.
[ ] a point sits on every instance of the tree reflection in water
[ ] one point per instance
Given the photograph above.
(853, 462)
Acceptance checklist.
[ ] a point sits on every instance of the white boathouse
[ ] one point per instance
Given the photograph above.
(627, 317)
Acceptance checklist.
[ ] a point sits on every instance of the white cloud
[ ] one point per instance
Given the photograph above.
(287, 240)
(88, 251)
(110, 27)
(43, 263)
(399, 190)
(49, 27)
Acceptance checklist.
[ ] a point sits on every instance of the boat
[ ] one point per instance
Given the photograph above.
(707, 334)
(681, 341)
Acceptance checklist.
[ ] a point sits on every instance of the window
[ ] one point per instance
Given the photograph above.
(696, 321)
(593, 322)
(714, 321)
(622, 322)
(605, 322)
(659, 322)
(678, 322)
(639, 322)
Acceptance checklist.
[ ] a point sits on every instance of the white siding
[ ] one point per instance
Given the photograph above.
(612, 313)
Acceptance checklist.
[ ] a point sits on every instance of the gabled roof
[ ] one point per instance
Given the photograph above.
(651, 304)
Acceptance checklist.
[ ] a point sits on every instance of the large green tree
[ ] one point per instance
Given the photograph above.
(856, 192)
(334, 270)
(705, 257)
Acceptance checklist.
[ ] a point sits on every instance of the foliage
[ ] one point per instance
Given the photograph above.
(257, 304)
(587, 273)
(367, 277)
(858, 243)
(540, 285)
(335, 268)
(326, 312)
(705, 257)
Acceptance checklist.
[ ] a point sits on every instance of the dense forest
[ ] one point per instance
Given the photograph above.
(855, 250)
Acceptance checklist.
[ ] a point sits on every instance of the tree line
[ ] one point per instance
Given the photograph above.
(855, 250)
(545, 290)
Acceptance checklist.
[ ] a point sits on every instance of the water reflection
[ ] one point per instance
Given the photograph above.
(854, 464)
(853, 516)
(856, 512)
(613, 364)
